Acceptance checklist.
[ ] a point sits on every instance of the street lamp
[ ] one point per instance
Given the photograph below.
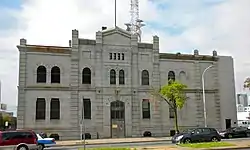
(203, 94)
(82, 125)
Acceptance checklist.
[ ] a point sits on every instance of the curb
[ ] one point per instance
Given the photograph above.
(227, 148)
(79, 144)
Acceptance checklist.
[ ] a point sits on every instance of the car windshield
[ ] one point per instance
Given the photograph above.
(39, 136)
(230, 129)
(188, 131)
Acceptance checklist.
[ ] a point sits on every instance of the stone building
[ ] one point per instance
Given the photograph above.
(110, 78)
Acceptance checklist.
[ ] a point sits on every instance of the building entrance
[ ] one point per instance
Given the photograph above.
(228, 123)
(117, 112)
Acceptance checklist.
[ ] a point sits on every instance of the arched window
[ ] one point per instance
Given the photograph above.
(55, 75)
(145, 77)
(112, 76)
(182, 77)
(86, 76)
(121, 77)
(41, 73)
(171, 76)
(40, 108)
(54, 108)
(145, 109)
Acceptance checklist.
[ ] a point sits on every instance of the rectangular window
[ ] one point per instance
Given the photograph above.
(119, 56)
(122, 56)
(87, 108)
(40, 109)
(145, 109)
(110, 56)
(55, 109)
(114, 56)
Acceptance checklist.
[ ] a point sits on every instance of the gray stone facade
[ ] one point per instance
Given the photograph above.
(94, 54)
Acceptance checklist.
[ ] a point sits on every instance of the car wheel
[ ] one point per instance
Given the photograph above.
(187, 140)
(248, 135)
(230, 136)
(40, 146)
(22, 147)
(214, 139)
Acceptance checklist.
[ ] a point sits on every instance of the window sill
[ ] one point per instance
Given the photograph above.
(41, 82)
(55, 83)
(40, 120)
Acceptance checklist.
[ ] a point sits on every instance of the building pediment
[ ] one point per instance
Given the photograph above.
(116, 36)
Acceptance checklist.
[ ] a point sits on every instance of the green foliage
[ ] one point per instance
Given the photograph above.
(247, 83)
(174, 93)
(6, 118)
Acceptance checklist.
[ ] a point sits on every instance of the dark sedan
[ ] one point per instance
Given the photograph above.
(197, 135)
(235, 132)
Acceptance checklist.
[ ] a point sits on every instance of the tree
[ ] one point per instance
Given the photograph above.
(247, 83)
(172, 93)
(6, 118)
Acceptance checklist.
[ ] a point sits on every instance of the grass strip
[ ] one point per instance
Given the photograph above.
(106, 148)
(207, 145)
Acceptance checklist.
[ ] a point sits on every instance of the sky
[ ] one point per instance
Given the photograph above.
(206, 25)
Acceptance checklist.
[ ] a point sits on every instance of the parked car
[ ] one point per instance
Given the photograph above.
(45, 142)
(197, 135)
(18, 140)
(235, 132)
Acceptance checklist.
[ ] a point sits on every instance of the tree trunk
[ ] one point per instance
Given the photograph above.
(176, 120)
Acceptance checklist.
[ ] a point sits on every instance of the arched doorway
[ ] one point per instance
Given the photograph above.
(117, 115)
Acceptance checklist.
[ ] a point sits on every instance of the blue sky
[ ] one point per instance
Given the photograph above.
(7, 19)
(14, 4)
(207, 25)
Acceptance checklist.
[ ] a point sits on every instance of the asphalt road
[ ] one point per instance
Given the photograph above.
(139, 144)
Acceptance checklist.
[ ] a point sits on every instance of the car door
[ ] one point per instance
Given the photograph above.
(6, 139)
(11, 138)
(17, 137)
(238, 132)
(206, 134)
(242, 131)
(28, 138)
(197, 135)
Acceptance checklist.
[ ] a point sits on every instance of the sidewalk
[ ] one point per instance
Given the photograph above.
(112, 141)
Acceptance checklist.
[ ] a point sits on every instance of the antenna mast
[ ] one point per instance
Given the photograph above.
(115, 13)
(135, 23)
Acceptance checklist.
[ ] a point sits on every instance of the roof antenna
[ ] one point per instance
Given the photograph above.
(115, 13)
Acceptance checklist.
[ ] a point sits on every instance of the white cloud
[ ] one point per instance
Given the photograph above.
(224, 27)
